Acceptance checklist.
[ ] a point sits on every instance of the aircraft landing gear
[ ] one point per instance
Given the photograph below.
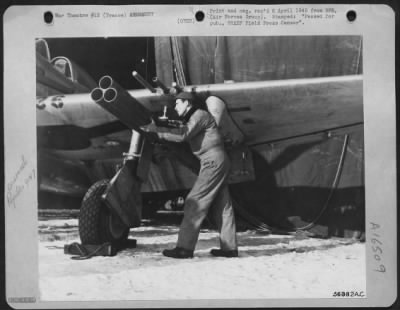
(111, 207)
(97, 224)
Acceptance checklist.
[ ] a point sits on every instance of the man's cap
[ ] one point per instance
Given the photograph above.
(185, 96)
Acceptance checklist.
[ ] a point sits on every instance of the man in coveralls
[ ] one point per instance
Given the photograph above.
(211, 188)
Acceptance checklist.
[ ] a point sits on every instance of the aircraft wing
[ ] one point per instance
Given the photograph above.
(264, 111)
(273, 110)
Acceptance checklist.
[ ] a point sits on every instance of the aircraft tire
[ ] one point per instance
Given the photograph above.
(96, 220)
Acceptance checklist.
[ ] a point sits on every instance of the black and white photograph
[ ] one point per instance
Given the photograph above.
(208, 166)
(186, 167)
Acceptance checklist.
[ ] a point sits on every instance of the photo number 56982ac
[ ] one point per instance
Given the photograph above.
(348, 294)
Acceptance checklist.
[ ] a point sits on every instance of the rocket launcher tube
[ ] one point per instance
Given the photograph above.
(122, 105)
(97, 94)
(110, 94)
(105, 82)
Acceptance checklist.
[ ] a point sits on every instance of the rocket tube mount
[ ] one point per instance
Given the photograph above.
(116, 100)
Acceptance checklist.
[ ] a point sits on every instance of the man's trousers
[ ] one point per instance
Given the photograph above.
(209, 191)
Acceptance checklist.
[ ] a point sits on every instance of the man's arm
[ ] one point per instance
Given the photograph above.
(181, 134)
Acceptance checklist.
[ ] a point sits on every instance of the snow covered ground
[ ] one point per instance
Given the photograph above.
(268, 266)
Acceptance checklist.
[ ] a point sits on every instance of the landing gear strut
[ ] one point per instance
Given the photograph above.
(111, 207)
